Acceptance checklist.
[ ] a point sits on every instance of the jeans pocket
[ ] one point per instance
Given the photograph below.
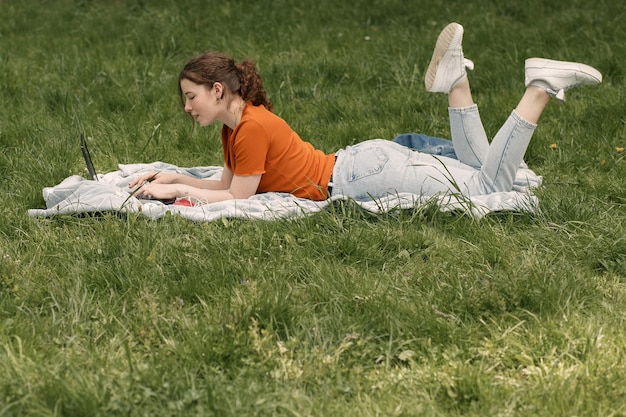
(367, 161)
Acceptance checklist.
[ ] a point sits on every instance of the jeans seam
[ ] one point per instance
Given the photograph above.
(502, 158)
(469, 142)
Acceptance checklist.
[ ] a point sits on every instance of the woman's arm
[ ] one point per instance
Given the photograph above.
(240, 187)
(176, 178)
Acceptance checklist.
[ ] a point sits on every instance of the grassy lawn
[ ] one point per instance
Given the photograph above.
(416, 313)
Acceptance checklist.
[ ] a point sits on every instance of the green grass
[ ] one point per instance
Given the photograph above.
(340, 314)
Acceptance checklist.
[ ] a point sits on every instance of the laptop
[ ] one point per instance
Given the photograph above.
(87, 156)
(94, 176)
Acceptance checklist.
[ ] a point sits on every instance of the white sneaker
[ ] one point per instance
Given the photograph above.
(447, 66)
(558, 76)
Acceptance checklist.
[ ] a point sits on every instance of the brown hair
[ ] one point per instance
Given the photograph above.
(243, 79)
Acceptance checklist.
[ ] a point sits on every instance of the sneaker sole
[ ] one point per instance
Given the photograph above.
(541, 63)
(443, 42)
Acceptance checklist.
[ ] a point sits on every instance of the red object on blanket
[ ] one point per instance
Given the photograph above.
(183, 202)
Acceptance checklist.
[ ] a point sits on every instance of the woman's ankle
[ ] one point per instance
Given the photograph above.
(533, 103)
(461, 96)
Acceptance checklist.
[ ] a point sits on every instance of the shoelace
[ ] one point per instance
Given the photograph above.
(559, 95)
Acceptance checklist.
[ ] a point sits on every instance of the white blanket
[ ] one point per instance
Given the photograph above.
(76, 194)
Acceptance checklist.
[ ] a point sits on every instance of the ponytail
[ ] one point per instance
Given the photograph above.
(252, 89)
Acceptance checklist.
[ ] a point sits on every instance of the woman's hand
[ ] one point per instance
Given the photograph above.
(169, 186)
(155, 177)
(153, 190)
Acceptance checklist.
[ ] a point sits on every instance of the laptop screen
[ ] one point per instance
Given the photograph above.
(87, 157)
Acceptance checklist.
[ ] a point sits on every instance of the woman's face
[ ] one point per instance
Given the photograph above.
(201, 103)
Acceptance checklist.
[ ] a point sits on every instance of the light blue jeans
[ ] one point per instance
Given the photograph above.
(378, 167)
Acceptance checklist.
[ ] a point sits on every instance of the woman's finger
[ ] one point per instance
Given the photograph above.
(146, 177)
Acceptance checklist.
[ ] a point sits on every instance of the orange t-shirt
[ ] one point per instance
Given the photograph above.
(263, 143)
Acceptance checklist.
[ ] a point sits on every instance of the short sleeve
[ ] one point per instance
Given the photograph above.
(251, 147)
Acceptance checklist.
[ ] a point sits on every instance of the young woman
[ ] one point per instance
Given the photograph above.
(262, 153)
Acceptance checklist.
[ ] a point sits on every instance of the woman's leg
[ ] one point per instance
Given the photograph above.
(532, 104)
(498, 162)
(446, 74)
(506, 152)
(545, 79)
(466, 129)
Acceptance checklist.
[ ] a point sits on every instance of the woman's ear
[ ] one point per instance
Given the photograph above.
(218, 89)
